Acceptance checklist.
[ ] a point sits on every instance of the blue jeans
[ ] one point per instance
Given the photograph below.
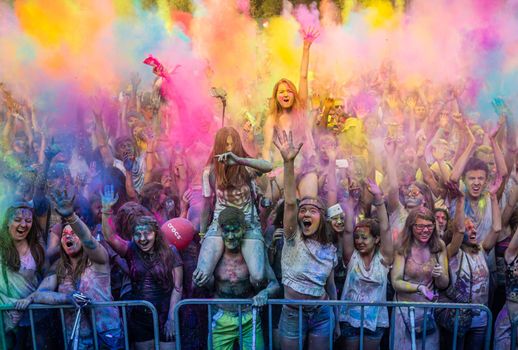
(350, 332)
(316, 321)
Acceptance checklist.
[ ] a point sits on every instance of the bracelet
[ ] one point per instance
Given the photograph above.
(419, 285)
(107, 212)
(150, 151)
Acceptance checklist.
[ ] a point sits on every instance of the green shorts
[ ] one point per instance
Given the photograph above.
(225, 330)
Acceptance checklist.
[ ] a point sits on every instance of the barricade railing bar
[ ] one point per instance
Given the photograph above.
(300, 304)
(121, 305)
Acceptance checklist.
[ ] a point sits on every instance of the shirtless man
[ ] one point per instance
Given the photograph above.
(231, 280)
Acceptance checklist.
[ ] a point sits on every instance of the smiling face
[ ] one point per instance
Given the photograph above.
(144, 237)
(475, 181)
(70, 242)
(338, 223)
(232, 235)
(309, 217)
(285, 97)
(20, 224)
(422, 230)
(364, 241)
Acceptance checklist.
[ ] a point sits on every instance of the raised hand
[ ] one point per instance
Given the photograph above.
(374, 189)
(135, 79)
(64, 200)
(500, 106)
(309, 34)
(495, 186)
(285, 145)
(228, 158)
(52, 150)
(109, 197)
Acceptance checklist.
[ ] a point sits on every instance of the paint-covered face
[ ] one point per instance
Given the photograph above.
(441, 221)
(413, 197)
(364, 242)
(470, 233)
(420, 112)
(475, 181)
(20, 145)
(338, 223)
(20, 224)
(309, 218)
(147, 112)
(166, 179)
(126, 150)
(96, 210)
(70, 242)
(285, 97)
(229, 144)
(232, 235)
(144, 237)
(422, 230)
(132, 122)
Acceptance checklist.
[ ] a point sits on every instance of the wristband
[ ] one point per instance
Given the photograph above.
(107, 212)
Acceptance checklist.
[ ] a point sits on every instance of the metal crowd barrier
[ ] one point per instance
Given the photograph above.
(119, 304)
(411, 307)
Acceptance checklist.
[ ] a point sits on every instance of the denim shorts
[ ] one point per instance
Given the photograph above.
(316, 321)
(350, 332)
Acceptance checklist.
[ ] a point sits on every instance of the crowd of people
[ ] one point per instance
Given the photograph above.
(384, 194)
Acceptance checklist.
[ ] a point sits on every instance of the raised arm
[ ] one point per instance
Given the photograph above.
(102, 140)
(461, 162)
(496, 226)
(65, 207)
(288, 152)
(108, 199)
(458, 227)
(511, 204)
(501, 166)
(332, 187)
(387, 246)
(428, 175)
(268, 137)
(390, 164)
(348, 236)
(310, 34)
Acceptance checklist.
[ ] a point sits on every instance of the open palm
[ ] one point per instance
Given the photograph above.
(285, 145)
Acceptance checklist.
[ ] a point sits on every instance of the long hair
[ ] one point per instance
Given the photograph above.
(407, 237)
(228, 175)
(126, 217)
(161, 255)
(8, 251)
(323, 233)
(64, 265)
(275, 107)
